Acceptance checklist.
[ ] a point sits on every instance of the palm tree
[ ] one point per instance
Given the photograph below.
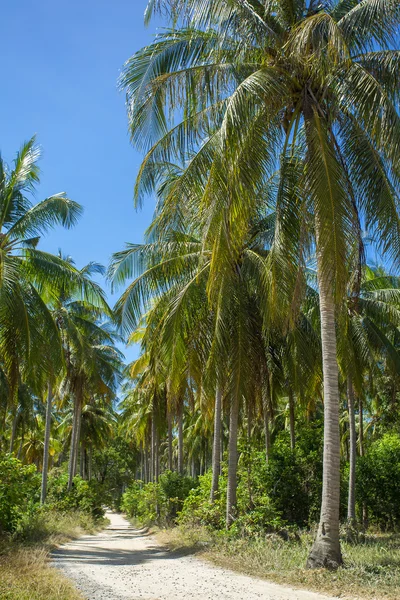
(25, 271)
(262, 78)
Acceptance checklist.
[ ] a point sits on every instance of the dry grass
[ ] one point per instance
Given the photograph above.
(371, 571)
(25, 572)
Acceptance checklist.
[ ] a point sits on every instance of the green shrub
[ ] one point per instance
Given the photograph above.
(86, 496)
(157, 502)
(378, 481)
(197, 509)
(19, 492)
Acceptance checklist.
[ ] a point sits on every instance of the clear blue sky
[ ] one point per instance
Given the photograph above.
(60, 63)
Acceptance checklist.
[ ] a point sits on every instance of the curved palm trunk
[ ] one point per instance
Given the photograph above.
(326, 548)
(216, 456)
(292, 420)
(232, 461)
(46, 447)
(351, 506)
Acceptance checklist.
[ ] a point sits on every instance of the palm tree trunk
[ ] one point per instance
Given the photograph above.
(21, 445)
(326, 548)
(75, 438)
(180, 438)
(216, 456)
(153, 448)
(351, 506)
(267, 434)
(170, 454)
(14, 430)
(292, 420)
(361, 426)
(46, 447)
(232, 461)
(90, 463)
(157, 457)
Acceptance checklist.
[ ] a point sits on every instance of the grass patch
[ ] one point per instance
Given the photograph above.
(25, 572)
(371, 571)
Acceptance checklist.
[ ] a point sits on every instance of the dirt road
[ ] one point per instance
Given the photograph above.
(125, 563)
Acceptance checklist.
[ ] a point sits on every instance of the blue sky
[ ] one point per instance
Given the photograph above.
(60, 64)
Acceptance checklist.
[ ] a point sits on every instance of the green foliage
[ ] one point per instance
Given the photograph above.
(270, 496)
(86, 496)
(157, 502)
(19, 492)
(114, 467)
(378, 481)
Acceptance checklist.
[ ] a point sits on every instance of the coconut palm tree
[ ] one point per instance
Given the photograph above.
(247, 82)
(25, 270)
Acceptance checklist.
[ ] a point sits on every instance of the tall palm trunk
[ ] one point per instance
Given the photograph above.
(292, 419)
(265, 407)
(170, 453)
(361, 426)
(232, 461)
(351, 506)
(46, 447)
(216, 456)
(180, 438)
(326, 548)
(14, 430)
(153, 449)
(90, 463)
(75, 438)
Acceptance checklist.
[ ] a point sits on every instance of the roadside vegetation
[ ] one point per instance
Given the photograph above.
(261, 416)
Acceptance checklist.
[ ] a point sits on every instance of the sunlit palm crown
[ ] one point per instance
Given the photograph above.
(32, 280)
(237, 89)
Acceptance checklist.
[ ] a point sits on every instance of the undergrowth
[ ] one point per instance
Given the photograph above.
(371, 570)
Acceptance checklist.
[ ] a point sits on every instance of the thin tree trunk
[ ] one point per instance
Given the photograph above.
(170, 453)
(145, 464)
(362, 450)
(351, 505)
(292, 419)
(326, 548)
(81, 464)
(267, 434)
(153, 448)
(14, 431)
(232, 461)
(361, 426)
(46, 447)
(157, 457)
(216, 456)
(72, 446)
(249, 458)
(90, 463)
(75, 438)
(19, 453)
(180, 438)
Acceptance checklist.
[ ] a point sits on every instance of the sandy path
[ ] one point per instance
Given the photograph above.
(126, 563)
